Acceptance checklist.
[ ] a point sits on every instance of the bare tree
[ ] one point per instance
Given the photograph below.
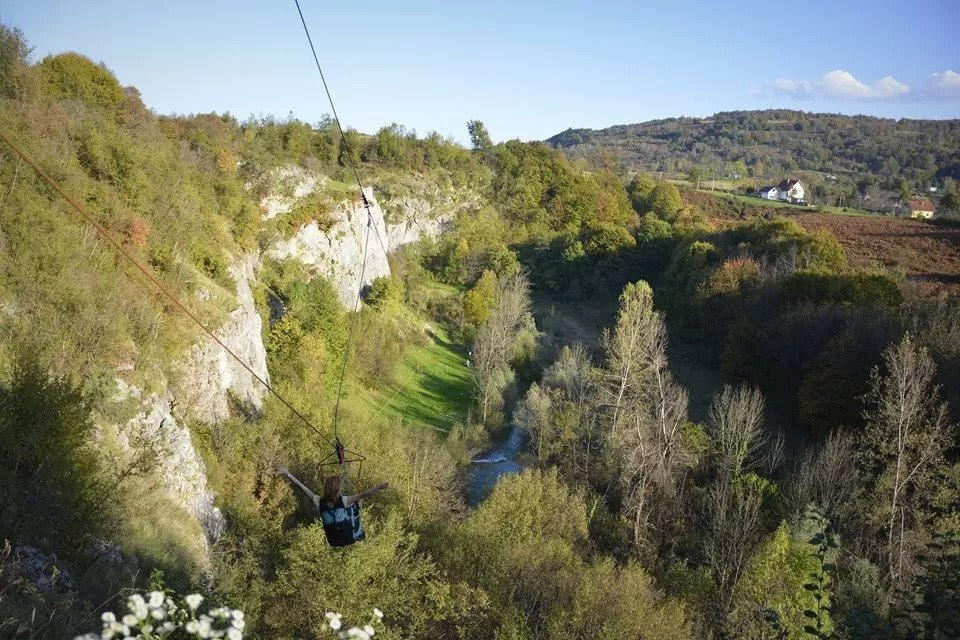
(741, 443)
(624, 373)
(906, 436)
(823, 477)
(497, 340)
(733, 513)
(535, 414)
(644, 407)
(572, 376)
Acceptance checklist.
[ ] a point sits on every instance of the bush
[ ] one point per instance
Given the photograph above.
(53, 476)
(385, 291)
(76, 77)
(861, 287)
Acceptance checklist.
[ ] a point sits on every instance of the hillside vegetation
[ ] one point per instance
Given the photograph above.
(634, 519)
(836, 155)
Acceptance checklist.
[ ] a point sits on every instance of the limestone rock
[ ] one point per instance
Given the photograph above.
(209, 376)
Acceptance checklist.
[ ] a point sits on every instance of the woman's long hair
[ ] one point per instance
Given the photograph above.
(331, 489)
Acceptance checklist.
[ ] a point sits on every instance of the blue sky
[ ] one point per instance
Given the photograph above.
(527, 69)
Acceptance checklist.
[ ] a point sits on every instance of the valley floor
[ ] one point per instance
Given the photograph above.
(432, 387)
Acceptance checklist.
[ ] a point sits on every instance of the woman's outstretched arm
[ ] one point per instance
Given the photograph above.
(357, 497)
(310, 494)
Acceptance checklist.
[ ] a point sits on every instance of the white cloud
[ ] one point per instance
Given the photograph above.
(945, 83)
(843, 85)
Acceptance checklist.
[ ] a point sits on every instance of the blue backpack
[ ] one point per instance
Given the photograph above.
(341, 524)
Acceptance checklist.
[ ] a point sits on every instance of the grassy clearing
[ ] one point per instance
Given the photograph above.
(432, 387)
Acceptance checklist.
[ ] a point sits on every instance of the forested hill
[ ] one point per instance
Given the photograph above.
(766, 143)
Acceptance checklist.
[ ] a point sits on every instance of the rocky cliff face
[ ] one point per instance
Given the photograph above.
(208, 381)
(337, 253)
(209, 377)
(182, 474)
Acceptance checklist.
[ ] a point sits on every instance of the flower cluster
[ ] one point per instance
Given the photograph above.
(158, 615)
(334, 623)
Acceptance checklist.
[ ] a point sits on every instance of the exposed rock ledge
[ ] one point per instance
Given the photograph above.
(182, 472)
(337, 253)
(208, 378)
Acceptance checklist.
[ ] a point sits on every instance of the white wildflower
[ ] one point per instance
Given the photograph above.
(193, 627)
(234, 634)
(238, 624)
(193, 601)
(204, 630)
(370, 631)
(331, 615)
(334, 623)
(158, 613)
(108, 617)
(130, 620)
(156, 598)
(237, 614)
(356, 632)
(378, 613)
(168, 627)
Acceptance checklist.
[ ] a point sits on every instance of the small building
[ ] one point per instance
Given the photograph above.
(921, 208)
(791, 191)
(768, 193)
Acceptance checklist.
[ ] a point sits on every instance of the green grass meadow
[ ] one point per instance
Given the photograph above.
(431, 387)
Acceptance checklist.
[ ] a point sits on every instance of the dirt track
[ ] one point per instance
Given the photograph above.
(929, 253)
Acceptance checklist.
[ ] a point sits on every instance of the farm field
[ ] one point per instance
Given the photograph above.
(929, 253)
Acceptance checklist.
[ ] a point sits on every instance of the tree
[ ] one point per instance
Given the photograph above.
(52, 476)
(498, 341)
(14, 52)
(479, 136)
(905, 440)
(822, 476)
(480, 300)
(905, 193)
(665, 201)
(639, 191)
(740, 439)
(76, 77)
(695, 175)
(646, 408)
(773, 592)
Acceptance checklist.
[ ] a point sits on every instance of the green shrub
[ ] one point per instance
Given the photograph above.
(385, 291)
(53, 476)
(76, 77)
(861, 287)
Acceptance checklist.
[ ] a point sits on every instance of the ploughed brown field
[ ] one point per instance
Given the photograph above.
(929, 253)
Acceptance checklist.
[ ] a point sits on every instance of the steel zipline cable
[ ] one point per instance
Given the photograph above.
(182, 307)
(370, 223)
(153, 279)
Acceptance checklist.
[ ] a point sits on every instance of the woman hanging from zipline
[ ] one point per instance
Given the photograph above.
(340, 514)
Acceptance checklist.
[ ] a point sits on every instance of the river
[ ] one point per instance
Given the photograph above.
(487, 467)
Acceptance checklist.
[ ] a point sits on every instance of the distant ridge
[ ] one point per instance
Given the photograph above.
(780, 140)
